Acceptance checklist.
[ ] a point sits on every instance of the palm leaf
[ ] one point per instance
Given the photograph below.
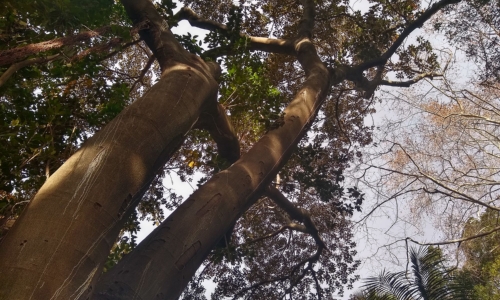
(429, 280)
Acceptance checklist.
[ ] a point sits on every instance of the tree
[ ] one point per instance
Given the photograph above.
(480, 270)
(429, 280)
(98, 188)
(437, 152)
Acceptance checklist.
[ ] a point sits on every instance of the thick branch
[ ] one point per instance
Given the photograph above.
(18, 54)
(189, 15)
(154, 30)
(164, 267)
(306, 25)
(253, 43)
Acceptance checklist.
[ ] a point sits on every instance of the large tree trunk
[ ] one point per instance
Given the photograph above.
(63, 237)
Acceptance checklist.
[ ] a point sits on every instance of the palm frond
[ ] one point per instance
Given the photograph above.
(429, 280)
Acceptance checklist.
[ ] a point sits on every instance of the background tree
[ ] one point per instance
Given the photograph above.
(94, 193)
(481, 266)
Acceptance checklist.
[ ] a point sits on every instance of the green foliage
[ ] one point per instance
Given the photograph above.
(428, 280)
(481, 271)
(230, 37)
(125, 244)
(190, 43)
(48, 110)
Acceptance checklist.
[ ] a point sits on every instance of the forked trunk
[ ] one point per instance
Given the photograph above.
(162, 265)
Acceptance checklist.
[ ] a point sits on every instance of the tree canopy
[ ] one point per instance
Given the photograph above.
(269, 107)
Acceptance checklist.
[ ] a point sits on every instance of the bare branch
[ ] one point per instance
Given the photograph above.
(456, 240)
(410, 82)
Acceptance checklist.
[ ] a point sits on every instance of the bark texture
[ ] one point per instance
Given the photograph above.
(83, 205)
(166, 260)
(162, 265)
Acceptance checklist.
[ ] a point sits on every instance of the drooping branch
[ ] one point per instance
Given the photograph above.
(18, 54)
(295, 213)
(265, 237)
(419, 22)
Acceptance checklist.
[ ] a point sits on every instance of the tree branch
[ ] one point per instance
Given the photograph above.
(306, 24)
(295, 213)
(195, 20)
(154, 30)
(218, 124)
(11, 56)
(253, 43)
(17, 66)
(98, 48)
(419, 22)
(408, 83)
(146, 68)
(456, 240)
